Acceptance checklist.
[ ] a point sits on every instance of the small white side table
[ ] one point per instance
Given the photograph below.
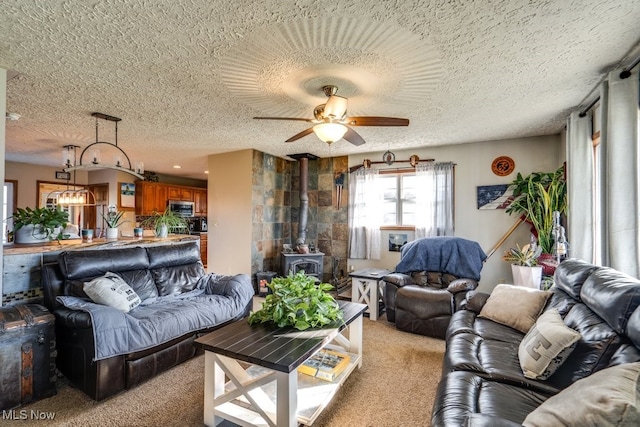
(365, 288)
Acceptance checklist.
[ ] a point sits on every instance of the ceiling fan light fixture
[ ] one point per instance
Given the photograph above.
(330, 132)
(336, 107)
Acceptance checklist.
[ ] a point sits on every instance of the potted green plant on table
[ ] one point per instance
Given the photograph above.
(524, 265)
(35, 225)
(536, 197)
(298, 301)
(113, 218)
(163, 222)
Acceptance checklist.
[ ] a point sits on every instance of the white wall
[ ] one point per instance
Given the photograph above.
(230, 212)
(473, 168)
(3, 112)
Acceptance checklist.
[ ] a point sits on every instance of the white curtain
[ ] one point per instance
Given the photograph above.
(434, 199)
(620, 173)
(580, 187)
(365, 214)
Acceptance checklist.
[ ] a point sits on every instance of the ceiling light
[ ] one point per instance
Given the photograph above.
(330, 132)
(12, 116)
(121, 160)
(206, 172)
(177, 166)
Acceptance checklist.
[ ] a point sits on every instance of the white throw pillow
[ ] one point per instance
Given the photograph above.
(111, 290)
(546, 346)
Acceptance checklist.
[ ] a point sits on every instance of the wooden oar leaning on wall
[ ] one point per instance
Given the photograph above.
(504, 237)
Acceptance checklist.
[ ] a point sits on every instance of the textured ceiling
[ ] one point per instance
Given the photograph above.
(186, 77)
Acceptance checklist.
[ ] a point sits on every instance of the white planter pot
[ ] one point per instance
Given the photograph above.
(112, 233)
(162, 231)
(27, 235)
(528, 277)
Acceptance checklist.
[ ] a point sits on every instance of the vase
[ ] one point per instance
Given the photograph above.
(112, 233)
(529, 277)
(162, 231)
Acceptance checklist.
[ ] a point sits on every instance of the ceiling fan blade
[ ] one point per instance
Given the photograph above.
(353, 137)
(376, 121)
(284, 118)
(300, 135)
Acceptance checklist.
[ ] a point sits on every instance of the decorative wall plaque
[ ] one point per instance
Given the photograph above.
(503, 165)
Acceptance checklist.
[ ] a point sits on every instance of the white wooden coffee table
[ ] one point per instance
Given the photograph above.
(260, 362)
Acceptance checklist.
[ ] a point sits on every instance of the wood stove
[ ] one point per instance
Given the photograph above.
(310, 264)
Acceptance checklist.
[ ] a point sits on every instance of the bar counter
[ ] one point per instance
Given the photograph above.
(22, 264)
(76, 244)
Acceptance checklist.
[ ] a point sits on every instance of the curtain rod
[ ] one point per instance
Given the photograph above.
(624, 74)
(355, 168)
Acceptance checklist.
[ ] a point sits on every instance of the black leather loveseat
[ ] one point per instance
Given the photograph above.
(180, 301)
(483, 382)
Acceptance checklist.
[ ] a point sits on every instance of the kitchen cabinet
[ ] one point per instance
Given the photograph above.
(200, 202)
(181, 193)
(203, 248)
(150, 197)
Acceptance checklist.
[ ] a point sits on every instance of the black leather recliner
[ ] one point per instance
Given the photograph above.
(430, 282)
(423, 302)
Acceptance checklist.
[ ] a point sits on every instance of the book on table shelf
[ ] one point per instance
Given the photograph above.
(325, 365)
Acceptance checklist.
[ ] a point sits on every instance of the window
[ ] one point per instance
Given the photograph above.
(399, 199)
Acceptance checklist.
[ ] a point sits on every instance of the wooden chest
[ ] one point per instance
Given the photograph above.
(27, 355)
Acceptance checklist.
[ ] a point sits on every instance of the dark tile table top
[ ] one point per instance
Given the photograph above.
(280, 349)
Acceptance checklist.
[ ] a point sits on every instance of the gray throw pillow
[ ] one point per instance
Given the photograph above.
(609, 397)
(546, 346)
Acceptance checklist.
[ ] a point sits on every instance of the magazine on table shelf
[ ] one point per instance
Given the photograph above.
(325, 365)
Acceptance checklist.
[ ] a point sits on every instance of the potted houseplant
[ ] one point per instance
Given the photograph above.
(536, 197)
(524, 265)
(299, 302)
(36, 225)
(163, 222)
(113, 218)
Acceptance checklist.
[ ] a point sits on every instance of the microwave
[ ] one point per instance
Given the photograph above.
(186, 209)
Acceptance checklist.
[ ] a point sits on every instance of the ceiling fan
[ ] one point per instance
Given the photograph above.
(332, 123)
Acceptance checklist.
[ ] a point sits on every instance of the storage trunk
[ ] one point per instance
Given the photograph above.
(27, 355)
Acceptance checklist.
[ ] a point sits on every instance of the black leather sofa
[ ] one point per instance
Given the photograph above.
(483, 383)
(152, 272)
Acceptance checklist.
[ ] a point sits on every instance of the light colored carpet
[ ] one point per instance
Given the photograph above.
(395, 387)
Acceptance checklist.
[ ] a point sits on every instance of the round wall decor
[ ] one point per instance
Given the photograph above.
(503, 165)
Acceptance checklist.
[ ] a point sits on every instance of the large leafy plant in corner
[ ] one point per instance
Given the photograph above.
(299, 302)
(537, 196)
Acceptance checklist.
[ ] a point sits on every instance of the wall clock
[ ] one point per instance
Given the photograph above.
(503, 165)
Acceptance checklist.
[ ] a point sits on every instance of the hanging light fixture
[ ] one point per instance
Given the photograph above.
(73, 195)
(330, 132)
(121, 160)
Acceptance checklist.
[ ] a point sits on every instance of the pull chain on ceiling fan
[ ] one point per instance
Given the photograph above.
(332, 123)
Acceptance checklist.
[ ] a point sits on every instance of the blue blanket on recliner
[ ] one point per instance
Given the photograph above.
(454, 255)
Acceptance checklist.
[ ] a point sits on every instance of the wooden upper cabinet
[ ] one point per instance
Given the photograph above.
(180, 193)
(150, 197)
(200, 201)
